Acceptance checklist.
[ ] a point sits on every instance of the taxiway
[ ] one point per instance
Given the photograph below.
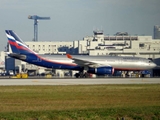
(81, 81)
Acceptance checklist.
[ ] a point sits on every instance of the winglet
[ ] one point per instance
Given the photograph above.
(69, 56)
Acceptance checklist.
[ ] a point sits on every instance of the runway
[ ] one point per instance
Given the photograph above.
(81, 81)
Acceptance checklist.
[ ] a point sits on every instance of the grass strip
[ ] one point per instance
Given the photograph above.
(80, 102)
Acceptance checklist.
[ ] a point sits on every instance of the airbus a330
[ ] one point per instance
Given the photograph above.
(99, 65)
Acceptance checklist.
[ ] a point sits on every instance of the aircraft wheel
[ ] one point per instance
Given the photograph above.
(77, 75)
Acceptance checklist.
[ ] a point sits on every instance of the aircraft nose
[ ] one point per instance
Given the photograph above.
(154, 65)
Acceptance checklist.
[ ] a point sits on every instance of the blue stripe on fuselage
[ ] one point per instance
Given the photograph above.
(37, 60)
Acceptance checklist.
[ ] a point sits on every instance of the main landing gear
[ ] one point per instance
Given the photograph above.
(82, 74)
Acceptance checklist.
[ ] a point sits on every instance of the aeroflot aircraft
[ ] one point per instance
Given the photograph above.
(89, 64)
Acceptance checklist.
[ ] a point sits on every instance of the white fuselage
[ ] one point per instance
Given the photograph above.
(117, 62)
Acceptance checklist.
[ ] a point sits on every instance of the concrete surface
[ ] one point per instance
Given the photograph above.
(80, 81)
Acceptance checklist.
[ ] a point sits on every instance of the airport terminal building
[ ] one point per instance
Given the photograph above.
(120, 44)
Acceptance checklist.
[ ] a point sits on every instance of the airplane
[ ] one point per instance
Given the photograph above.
(99, 65)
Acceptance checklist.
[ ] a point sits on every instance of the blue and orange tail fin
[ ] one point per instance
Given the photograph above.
(17, 45)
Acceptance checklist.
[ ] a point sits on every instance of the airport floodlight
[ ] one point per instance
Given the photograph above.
(36, 18)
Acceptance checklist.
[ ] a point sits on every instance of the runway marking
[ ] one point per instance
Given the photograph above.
(57, 83)
(35, 81)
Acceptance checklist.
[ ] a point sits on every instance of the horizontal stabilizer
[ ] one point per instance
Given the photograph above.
(18, 56)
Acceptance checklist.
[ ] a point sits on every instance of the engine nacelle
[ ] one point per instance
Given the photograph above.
(101, 70)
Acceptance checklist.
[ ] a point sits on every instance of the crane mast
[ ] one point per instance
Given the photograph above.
(36, 18)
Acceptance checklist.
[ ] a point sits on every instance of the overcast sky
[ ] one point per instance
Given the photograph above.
(74, 19)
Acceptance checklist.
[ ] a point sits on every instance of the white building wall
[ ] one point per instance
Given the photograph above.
(82, 47)
(144, 38)
(75, 44)
(50, 47)
(2, 59)
(135, 45)
(93, 44)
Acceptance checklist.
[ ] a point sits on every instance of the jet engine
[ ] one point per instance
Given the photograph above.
(101, 70)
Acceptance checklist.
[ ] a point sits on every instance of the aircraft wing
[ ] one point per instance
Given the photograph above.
(81, 62)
